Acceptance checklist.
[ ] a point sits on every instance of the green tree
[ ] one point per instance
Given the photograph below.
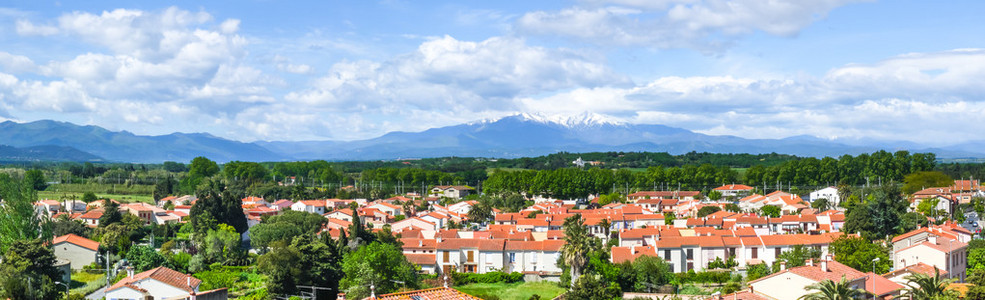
(111, 213)
(219, 203)
(20, 220)
(770, 211)
(28, 271)
(757, 271)
(593, 287)
(714, 195)
(36, 179)
(144, 258)
(576, 246)
(732, 207)
(976, 258)
(796, 256)
(921, 286)
(858, 253)
(830, 290)
(926, 179)
(263, 234)
(480, 213)
(976, 277)
(377, 264)
(821, 204)
(164, 188)
(304, 221)
(64, 224)
(707, 210)
(89, 197)
(651, 272)
(203, 167)
(282, 267)
(222, 245)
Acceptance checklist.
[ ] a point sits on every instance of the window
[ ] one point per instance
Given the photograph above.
(667, 254)
(755, 253)
(512, 257)
(471, 256)
(778, 251)
(690, 255)
(446, 255)
(731, 252)
(690, 266)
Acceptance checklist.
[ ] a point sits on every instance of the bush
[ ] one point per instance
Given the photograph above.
(491, 277)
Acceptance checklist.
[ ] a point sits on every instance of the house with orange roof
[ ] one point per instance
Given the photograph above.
(791, 283)
(534, 257)
(734, 190)
(462, 207)
(91, 217)
(78, 250)
(393, 210)
(932, 246)
(470, 255)
(161, 283)
(432, 293)
(413, 223)
(678, 195)
(311, 206)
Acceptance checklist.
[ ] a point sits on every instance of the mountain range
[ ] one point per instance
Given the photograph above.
(519, 135)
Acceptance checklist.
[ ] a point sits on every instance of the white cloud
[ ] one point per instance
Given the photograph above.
(445, 73)
(16, 63)
(706, 25)
(27, 28)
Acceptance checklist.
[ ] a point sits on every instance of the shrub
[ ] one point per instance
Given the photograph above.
(491, 277)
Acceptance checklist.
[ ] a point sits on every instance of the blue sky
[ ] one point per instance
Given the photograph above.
(344, 70)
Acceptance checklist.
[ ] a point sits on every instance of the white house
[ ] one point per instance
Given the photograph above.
(312, 206)
(830, 193)
(451, 191)
(160, 283)
(470, 255)
(533, 256)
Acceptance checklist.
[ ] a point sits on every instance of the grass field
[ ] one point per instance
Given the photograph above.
(118, 192)
(512, 291)
(84, 283)
(122, 198)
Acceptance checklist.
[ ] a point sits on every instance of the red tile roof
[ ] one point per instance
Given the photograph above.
(78, 241)
(421, 259)
(734, 187)
(429, 294)
(164, 275)
(880, 285)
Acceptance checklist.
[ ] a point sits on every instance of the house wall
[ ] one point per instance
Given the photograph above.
(78, 256)
(786, 286)
(124, 293)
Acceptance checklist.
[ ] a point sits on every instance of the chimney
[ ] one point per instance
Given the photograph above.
(420, 243)
(632, 249)
(439, 237)
(130, 272)
(783, 266)
(932, 239)
(824, 265)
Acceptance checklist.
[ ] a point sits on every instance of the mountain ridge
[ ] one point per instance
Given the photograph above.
(519, 135)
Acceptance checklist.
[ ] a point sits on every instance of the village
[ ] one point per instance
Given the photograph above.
(684, 229)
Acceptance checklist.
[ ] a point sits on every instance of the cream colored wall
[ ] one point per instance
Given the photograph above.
(784, 286)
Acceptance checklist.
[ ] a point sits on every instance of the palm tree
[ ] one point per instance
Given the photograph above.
(831, 290)
(606, 227)
(921, 286)
(574, 253)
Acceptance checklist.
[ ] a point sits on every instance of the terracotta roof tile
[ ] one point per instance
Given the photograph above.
(78, 241)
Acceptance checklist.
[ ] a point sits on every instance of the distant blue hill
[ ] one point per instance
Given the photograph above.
(127, 147)
(510, 137)
(531, 135)
(45, 153)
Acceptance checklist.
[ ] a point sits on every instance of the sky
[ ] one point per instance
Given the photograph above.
(350, 70)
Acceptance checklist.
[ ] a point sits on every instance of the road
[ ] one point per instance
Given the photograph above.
(970, 219)
(98, 294)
